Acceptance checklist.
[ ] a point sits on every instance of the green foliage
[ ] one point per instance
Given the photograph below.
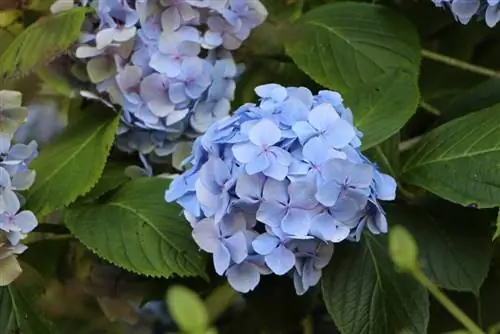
(40, 43)
(18, 313)
(364, 293)
(71, 165)
(383, 106)
(187, 309)
(451, 254)
(112, 177)
(346, 44)
(459, 160)
(135, 229)
(109, 242)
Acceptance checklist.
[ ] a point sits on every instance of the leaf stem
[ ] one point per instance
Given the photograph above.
(429, 108)
(408, 144)
(460, 64)
(456, 312)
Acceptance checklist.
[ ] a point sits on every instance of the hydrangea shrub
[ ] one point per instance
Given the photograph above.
(274, 186)
(249, 166)
(168, 64)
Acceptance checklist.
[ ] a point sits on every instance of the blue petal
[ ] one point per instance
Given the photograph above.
(281, 260)
(265, 243)
(243, 277)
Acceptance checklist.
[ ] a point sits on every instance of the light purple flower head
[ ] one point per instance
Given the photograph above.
(167, 64)
(272, 188)
(465, 10)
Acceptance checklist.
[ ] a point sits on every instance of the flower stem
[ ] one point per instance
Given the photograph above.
(460, 64)
(456, 312)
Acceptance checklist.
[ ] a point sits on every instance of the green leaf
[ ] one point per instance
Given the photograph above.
(366, 295)
(346, 44)
(72, 164)
(459, 161)
(136, 230)
(187, 309)
(112, 177)
(219, 300)
(497, 232)
(386, 155)
(476, 98)
(17, 306)
(41, 42)
(383, 106)
(454, 254)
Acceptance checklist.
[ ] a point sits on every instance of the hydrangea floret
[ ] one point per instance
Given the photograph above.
(15, 176)
(167, 63)
(464, 10)
(273, 187)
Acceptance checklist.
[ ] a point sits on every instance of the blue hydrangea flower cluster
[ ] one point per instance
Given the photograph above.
(15, 176)
(272, 188)
(464, 10)
(167, 63)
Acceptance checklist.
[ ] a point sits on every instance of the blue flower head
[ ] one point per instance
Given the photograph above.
(464, 10)
(273, 187)
(167, 64)
(15, 176)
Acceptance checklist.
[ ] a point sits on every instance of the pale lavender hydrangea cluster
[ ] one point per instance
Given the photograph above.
(464, 10)
(167, 63)
(15, 176)
(272, 188)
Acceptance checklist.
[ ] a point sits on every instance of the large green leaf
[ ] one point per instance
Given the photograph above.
(382, 107)
(135, 229)
(386, 155)
(112, 177)
(459, 161)
(452, 253)
(346, 44)
(366, 295)
(18, 313)
(41, 42)
(72, 164)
